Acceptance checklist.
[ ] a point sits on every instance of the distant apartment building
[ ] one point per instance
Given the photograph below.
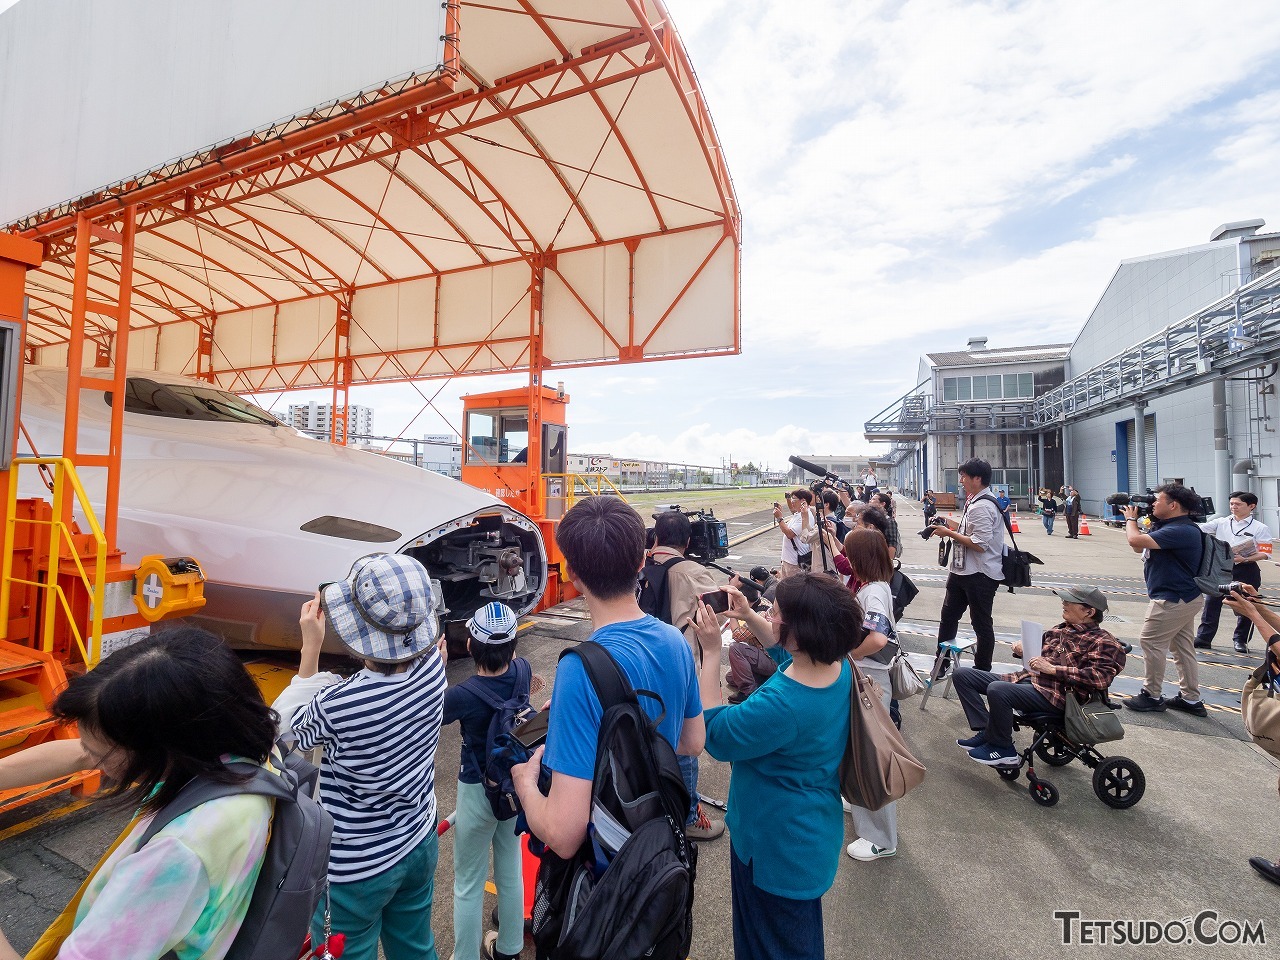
(317, 418)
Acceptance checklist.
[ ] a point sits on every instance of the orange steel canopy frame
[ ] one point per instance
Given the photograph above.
(553, 196)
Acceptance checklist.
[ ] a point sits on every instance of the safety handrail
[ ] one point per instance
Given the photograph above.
(59, 531)
(587, 481)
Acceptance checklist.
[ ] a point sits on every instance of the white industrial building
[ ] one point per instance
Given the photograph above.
(1177, 430)
(1172, 377)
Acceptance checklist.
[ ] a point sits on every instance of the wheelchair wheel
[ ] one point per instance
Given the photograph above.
(1119, 782)
(1043, 792)
(1054, 752)
(1009, 772)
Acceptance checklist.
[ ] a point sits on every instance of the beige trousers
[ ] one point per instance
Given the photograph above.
(1170, 628)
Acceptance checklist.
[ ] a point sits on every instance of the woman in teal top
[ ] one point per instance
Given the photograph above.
(786, 824)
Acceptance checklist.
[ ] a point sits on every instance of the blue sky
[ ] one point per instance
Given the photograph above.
(916, 172)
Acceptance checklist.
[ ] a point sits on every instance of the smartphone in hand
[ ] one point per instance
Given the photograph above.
(717, 600)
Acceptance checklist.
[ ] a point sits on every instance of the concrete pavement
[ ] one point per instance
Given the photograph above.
(981, 869)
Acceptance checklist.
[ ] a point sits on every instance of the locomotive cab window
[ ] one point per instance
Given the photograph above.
(189, 401)
(497, 436)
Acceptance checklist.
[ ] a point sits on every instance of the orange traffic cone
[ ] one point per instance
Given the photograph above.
(1084, 526)
(1013, 521)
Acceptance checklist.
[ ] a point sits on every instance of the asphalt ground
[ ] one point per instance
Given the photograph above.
(981, 869)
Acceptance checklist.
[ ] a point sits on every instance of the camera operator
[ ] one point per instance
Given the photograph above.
(686, 580)
(1244, 535)
(1171, 554)
(822, 556)
(975, 569)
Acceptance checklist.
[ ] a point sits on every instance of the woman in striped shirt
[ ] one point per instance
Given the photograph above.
(379, 729)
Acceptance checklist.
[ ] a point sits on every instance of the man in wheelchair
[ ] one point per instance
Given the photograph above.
(1077, 655)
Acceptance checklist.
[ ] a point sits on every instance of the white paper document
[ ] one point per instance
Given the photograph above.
(1032, 640)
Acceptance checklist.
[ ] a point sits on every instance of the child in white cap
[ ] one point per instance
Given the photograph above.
(500, 677)
(379, 729)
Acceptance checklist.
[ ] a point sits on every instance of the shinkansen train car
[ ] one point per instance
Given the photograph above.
(270, 513)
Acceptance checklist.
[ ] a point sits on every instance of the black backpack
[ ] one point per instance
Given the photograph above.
(1216, 564)
(627, 894)
(507, 715)
(295, 869)
(653, 596)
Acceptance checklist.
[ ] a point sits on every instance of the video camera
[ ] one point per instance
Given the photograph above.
(709, 538)
(1143, 502)
(708, 542)
(825, 477)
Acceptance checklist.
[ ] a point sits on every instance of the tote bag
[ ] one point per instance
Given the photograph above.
(878, 767)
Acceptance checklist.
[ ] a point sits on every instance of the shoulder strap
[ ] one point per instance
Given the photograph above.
(610, 683)
(1008, 526)
(1206, 544)
(661, 593)
(482, 693)
(263, 783)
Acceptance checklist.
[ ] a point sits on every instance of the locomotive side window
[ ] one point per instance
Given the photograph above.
(188, 401)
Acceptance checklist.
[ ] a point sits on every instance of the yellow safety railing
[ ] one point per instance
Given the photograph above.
(579, 485)
(59, 534)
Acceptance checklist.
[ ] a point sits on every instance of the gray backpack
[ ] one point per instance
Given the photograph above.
(295, 869)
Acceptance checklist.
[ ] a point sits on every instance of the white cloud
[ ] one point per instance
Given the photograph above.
(912, 173)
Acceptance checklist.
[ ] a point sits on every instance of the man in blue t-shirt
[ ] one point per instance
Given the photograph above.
(602, 540)
(1172, 557)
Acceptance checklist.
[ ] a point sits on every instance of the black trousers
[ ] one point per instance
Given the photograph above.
(1245, 573)
(1073, 524)
(975, 592)
(1003, 697)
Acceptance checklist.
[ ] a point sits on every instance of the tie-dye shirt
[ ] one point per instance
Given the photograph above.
(187, 890)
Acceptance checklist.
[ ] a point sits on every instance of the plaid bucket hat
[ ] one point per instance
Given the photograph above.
(385, 610)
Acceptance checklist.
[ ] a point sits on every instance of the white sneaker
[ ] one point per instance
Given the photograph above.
(848, 807)
(867, 851)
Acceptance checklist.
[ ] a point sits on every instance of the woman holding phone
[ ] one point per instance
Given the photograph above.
(785, 743)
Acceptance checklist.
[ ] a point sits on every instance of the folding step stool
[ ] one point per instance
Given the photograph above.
(952, 650)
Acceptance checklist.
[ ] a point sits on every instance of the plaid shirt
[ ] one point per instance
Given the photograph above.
(1087, 657)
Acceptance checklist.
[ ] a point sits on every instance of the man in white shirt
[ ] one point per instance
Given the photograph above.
(1246, 536)
(976, 563)
(795, 527)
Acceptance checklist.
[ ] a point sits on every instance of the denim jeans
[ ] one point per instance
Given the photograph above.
(393, 906)
(1047, 519)
(689, 770)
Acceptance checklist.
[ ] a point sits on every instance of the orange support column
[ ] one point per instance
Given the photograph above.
(17, 256)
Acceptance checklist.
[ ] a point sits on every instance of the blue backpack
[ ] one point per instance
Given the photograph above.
(507, 715)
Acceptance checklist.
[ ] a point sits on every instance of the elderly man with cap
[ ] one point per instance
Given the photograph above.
(379, 729)
(1077, 657)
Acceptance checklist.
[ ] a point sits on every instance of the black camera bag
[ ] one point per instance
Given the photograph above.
(1015, 564)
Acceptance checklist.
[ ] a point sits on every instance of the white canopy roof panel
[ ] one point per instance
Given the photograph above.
(555, 191)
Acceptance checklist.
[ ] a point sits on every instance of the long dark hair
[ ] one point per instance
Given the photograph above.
(175, 704)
